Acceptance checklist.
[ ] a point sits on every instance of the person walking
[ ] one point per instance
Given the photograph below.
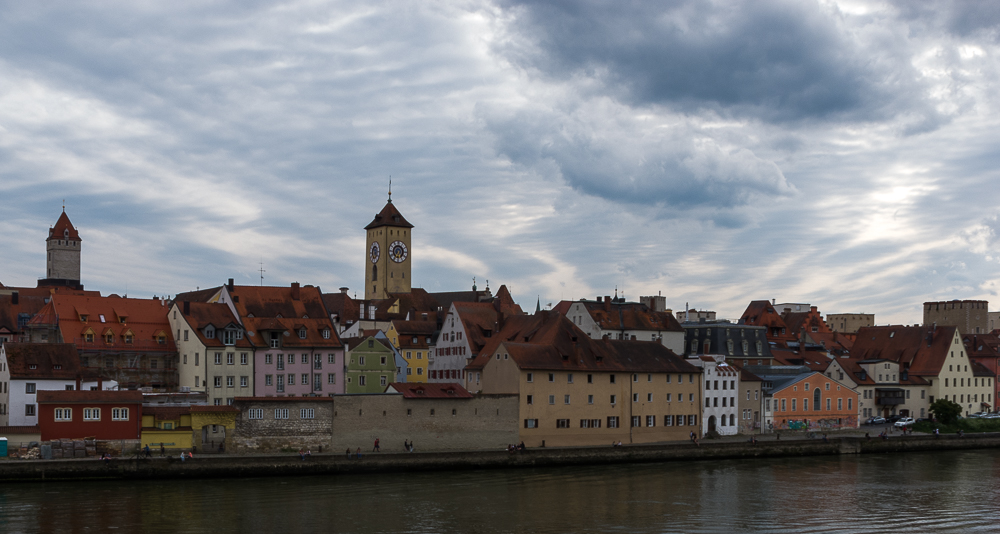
(376, 447)
(146, 451)
(163, 450)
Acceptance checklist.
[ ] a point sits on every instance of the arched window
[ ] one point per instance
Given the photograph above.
(374, 273)
(816, 405)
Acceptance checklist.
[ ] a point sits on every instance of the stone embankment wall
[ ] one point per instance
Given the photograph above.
(486, 422)
(290, 464)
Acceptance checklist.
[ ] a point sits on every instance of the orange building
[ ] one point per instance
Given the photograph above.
(809, 401)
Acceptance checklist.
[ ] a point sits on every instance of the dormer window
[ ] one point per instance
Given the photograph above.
(228, 337)
(161, 339)
(302, 333)
(32, 366)
(57, 367)
(210, 332)
(326, 333)
(89, 337)
(416, 340)
(129, 337)
(109, 338)
(83, 318)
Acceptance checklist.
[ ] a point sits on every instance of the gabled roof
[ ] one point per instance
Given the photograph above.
(64, 229)
(202, 314)
(50, 360)
(90, 396)
(411, 390)
(146, 319)
(274, 301)
(389, 216)
(550, 341)
(201, 295)
(921, 350)
(355, 342)
(796, 321)
(612, 315)
(421, 330)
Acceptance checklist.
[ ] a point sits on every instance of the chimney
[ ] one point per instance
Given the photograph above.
(599, 299)
(230, 284)
(100, 383)
(295, 291)
(607, 303)
(774, 301)
(343, 290)
(14, 298)
(812, 309)
(187, 308)
(79, 382)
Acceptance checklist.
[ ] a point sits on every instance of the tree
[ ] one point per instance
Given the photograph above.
(946, 411)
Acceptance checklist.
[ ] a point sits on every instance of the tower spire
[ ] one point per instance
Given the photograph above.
(390, 189)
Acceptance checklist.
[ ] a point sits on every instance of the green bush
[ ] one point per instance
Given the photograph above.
(946, 411)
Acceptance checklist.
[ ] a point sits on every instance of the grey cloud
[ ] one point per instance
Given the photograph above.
(674, 171)
(777, 60)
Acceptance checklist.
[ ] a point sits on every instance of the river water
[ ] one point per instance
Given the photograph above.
(916, 492)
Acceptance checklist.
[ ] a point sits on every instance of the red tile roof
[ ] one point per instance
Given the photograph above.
(283, 399)
(144, 318)
(63, 225)
(50, 360)
(389, 216)
(611, 315)
(89, 396)
(430, 391)
(202, 314)
(920, 350)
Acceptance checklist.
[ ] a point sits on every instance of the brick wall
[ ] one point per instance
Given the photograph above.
(271, 434)
(486, 422)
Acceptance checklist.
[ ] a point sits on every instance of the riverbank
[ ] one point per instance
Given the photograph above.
(216, 466)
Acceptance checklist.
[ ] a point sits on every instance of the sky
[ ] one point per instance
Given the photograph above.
(843, 154)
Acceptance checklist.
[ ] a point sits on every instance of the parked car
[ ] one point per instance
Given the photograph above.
(875, 421)
(893, 418)
(905, 421)
(979, 414)
(992, 416)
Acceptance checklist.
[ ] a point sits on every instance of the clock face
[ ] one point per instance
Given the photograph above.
(373, 254)
(397, 251)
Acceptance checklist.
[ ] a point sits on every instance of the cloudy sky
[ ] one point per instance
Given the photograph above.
(845, 154)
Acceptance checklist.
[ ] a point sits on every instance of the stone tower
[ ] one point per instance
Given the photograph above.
(62, 264)
(387, 254)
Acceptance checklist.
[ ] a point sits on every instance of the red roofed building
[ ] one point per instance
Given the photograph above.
(762, 313)
(618, 319)
(216, 355)
(575, 390)
(935, 354)
(62, 265)
(465, 331)
(105, 415)
(985, 350)
(128, 340)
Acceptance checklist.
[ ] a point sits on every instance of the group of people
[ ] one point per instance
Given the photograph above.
(407, 446)
(304, 453)
(694, 439)
(515, 448)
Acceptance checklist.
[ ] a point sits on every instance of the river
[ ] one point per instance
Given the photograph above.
(916, 492)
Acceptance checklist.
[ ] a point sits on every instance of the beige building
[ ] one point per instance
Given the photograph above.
(576, 391)
(883, 390)
(934, 354)
(970, 316)
(215, 356)
(849, 322)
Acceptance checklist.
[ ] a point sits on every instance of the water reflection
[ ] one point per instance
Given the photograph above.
(921, 492)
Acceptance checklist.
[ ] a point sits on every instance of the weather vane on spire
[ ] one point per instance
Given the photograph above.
(64, 205)
(390, 188)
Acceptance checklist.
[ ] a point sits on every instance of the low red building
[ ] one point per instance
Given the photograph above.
(101, 414)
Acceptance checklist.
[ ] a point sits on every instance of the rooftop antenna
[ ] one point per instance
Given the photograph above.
(262, 271)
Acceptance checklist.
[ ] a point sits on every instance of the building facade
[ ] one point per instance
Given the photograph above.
(370, 365)
(215, 354)
(970, 316)
(388, 259)
(105, 415)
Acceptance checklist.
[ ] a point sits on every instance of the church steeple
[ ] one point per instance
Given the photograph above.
(387, 266)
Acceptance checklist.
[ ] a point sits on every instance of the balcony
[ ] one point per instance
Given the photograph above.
(890, 397)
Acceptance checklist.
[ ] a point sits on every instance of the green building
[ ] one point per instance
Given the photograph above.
(371, 365)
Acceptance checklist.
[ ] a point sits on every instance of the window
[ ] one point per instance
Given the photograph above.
(840, 404)
(119, 414)
(382, 360)
(64, 414)
(307, 413)
(530, 377)
(552, 377)
(29, 388)
(217, 381)
(381, 380)
(649, 397)
(218, 358)
(244, 358)
(612, 380)
(361, 380)
(244, 381)
(268, 380)
(230, 381)
(636, 421)
(91, 414)
(228, 337)
(256, 413)
(565, 399)
(531, 423)
(305, 379)
(613, 422)
(528, 399)
(302, 333)
(281, 413)
(331, 378)
(281, 383)
(552, 399)
(326, 333)
(668, 397)
(668, 420)
(635, 397)
(562, 423)
(650, 420)
(361, 360)
(850, 402)
(613, 400)
(230, 358)
(692, 420)
(590, 399)
(569, 378)
(29, 410)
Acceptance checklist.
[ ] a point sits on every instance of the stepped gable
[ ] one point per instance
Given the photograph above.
(389, 216)
(921, 350)
(43, 360)
(64, 229)
(202, 314)
(796, 321)
(77, 315)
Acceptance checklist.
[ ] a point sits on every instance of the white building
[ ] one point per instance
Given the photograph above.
(617, 319)
(722, 387)
(27, 368)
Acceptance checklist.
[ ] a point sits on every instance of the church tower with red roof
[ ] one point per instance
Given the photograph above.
(387, 262)
(62, 263)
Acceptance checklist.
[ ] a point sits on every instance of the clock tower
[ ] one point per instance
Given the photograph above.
(387, 254)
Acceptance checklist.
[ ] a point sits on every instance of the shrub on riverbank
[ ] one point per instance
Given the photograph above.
(966, 425)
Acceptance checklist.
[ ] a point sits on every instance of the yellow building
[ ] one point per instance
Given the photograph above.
(415, 342)
(202, 428)
(578, 391)
(387, 264)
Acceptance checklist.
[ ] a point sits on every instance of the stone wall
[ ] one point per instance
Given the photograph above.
(272, 434)
(486, 422)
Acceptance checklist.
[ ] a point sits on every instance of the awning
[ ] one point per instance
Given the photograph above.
(986, 404)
